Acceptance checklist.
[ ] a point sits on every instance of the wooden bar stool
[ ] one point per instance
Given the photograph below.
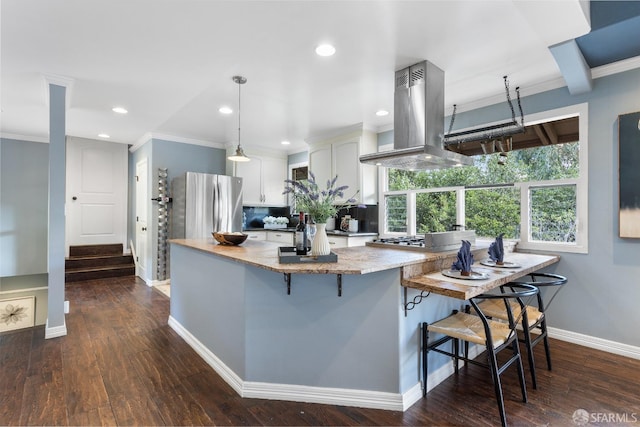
(533, 319)
(478, 329)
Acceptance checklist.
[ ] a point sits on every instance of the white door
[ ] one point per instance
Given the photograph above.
(142, 218)
(96, 192)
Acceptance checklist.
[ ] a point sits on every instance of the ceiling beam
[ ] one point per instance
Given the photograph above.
(572, 65)
(551, 132)
(541, 134)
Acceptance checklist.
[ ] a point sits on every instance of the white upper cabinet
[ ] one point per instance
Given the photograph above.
(274, 172)
(320, 161)
(262, 180)
(340, 155)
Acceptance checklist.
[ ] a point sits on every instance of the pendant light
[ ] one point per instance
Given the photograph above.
(239, 155)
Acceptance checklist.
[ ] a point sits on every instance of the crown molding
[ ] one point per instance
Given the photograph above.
(358, 127)
(385, 128)
(173, 138)
(29, 138)
(616, 67)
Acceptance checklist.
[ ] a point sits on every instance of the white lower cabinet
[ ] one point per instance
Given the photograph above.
(256, 235)
(285, 237)
(348, 241)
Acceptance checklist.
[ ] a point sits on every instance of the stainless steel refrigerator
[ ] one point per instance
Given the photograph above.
(203, 203)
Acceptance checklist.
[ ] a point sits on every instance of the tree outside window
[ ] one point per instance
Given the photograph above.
(492, 195)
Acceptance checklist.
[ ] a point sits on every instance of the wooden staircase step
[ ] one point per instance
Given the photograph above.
(93, 273)
(94, 250)
(91, 262)
(77, 262)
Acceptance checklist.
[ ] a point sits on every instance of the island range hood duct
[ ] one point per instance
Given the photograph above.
(418, 123)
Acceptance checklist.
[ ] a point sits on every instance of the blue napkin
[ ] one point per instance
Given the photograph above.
(496, 250)
(465, 257)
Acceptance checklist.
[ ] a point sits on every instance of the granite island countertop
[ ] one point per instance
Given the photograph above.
(353, 260)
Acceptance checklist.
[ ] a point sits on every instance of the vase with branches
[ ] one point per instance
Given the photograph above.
(319, 204)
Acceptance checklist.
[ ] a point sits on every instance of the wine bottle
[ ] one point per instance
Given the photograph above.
(301, 236)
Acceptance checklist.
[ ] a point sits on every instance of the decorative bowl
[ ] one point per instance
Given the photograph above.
(228, 238)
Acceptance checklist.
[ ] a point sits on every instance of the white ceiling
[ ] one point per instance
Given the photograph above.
(170, 62)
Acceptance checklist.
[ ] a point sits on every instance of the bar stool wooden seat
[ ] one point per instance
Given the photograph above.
(533, 319)
(478, 329)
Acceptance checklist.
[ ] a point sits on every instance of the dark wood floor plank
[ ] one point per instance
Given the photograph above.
(101, 416)
(178, 407)
(136, 411)
(43, 400)
(121, 364)
(84, 388)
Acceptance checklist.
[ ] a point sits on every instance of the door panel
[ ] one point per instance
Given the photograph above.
(96, 192)
(142, 219)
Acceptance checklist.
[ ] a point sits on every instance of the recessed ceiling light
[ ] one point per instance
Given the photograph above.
(103, 135)
(325, 50)
(119, 110)
(285, 143)
(382, 113)
(225, 110)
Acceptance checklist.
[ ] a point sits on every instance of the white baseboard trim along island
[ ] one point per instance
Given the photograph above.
(300, 393)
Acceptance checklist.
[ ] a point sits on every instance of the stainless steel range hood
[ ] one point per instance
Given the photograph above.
(418, 123)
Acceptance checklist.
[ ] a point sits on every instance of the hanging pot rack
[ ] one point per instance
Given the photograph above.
(488, 133)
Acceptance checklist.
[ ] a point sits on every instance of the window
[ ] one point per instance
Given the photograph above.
(538, 197)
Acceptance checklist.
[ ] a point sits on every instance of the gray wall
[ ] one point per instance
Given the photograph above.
(301, 157)
(24, 181)
(178, 158)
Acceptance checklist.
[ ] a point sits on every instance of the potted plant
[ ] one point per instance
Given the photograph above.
(275, 222)
(319, 204)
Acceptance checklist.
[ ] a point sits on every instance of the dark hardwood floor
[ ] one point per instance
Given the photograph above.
(120, 364)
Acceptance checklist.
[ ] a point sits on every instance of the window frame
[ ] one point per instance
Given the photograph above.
(581, 245)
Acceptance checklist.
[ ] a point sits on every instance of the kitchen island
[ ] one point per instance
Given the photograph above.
(361, 348)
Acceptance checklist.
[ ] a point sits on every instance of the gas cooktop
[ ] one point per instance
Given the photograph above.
(429, 242)
(404, 242)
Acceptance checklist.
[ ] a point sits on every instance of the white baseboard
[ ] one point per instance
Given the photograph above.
(324, 395)
(366, 398)
(151, 283)
(300, 393)
(596, 343)
(56, 331)
(159, 282)
(212, 360)
(446, 370)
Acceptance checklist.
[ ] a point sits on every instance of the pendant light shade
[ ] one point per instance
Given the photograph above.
(239, 155)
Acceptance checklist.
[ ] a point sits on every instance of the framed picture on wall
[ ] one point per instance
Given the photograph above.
(629, 174)
(17, 313)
